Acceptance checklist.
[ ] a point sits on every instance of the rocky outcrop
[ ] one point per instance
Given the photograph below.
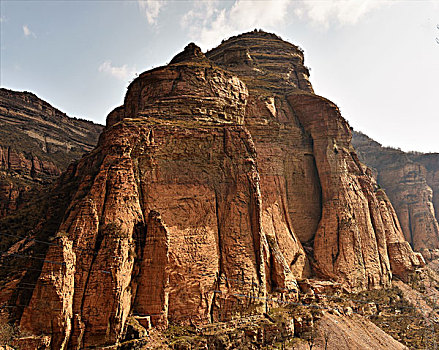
(304, 152)
(37, 143)
(178, 232)
(271, 67)
(350, 239)
(401, 257)
(194, 205)
(264, 62)
(412, 182)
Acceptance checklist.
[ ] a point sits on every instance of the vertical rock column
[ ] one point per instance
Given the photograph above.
(289, 204)
(346, 245)
(50, 309)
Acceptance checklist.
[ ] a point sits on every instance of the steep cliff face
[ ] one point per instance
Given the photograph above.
(303, 148)
(167, 219)
(411, 181)
(270, 66)
(430, 162)
(194, 205)
(37, 143)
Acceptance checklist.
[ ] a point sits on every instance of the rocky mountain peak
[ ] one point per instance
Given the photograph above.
(190, 88)
(264, 61)
(412, 182)
(190, 52)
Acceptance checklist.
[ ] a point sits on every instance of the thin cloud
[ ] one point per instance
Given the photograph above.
(341, 12)
(122, 73)
(208, 23)
(27, 32)
(151, 9)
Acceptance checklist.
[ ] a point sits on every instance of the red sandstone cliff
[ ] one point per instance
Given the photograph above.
(205, 186)
(430, 162)
(37, 143)
(412, 182)
(332, 204)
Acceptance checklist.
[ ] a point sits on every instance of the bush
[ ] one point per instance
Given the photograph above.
(7, 331)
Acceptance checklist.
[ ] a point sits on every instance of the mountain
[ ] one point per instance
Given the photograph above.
(37, 143)
(411, 181)
(306, 160)
(215, 191)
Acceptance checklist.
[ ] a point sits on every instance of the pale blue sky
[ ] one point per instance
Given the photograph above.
(377, 60)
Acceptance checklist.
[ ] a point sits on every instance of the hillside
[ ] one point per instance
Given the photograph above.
(37, 143)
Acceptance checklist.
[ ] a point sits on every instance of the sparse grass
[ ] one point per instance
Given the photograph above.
(7, 331)
(397, 317)
(178, 335)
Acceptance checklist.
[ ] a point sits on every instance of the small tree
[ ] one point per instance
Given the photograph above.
(326, 335)
(310, 338)
(7, 331)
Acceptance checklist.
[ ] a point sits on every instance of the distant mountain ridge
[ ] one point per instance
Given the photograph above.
(411, 180)
(37, 143)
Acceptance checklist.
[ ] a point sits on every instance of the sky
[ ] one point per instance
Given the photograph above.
(377, 60)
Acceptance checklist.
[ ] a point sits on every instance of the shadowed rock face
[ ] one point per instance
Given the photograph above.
(430, 161)
(37, 143)
(412, 182)
(202, 189)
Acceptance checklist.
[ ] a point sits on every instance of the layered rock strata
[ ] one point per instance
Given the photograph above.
(352, 240)
(332, 204)
(412, 182)
(194, 206)
(37, 143)
(171, 216)
(264, 62)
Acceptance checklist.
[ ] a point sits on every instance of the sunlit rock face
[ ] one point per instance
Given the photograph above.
(206, 185)
(304, 152)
